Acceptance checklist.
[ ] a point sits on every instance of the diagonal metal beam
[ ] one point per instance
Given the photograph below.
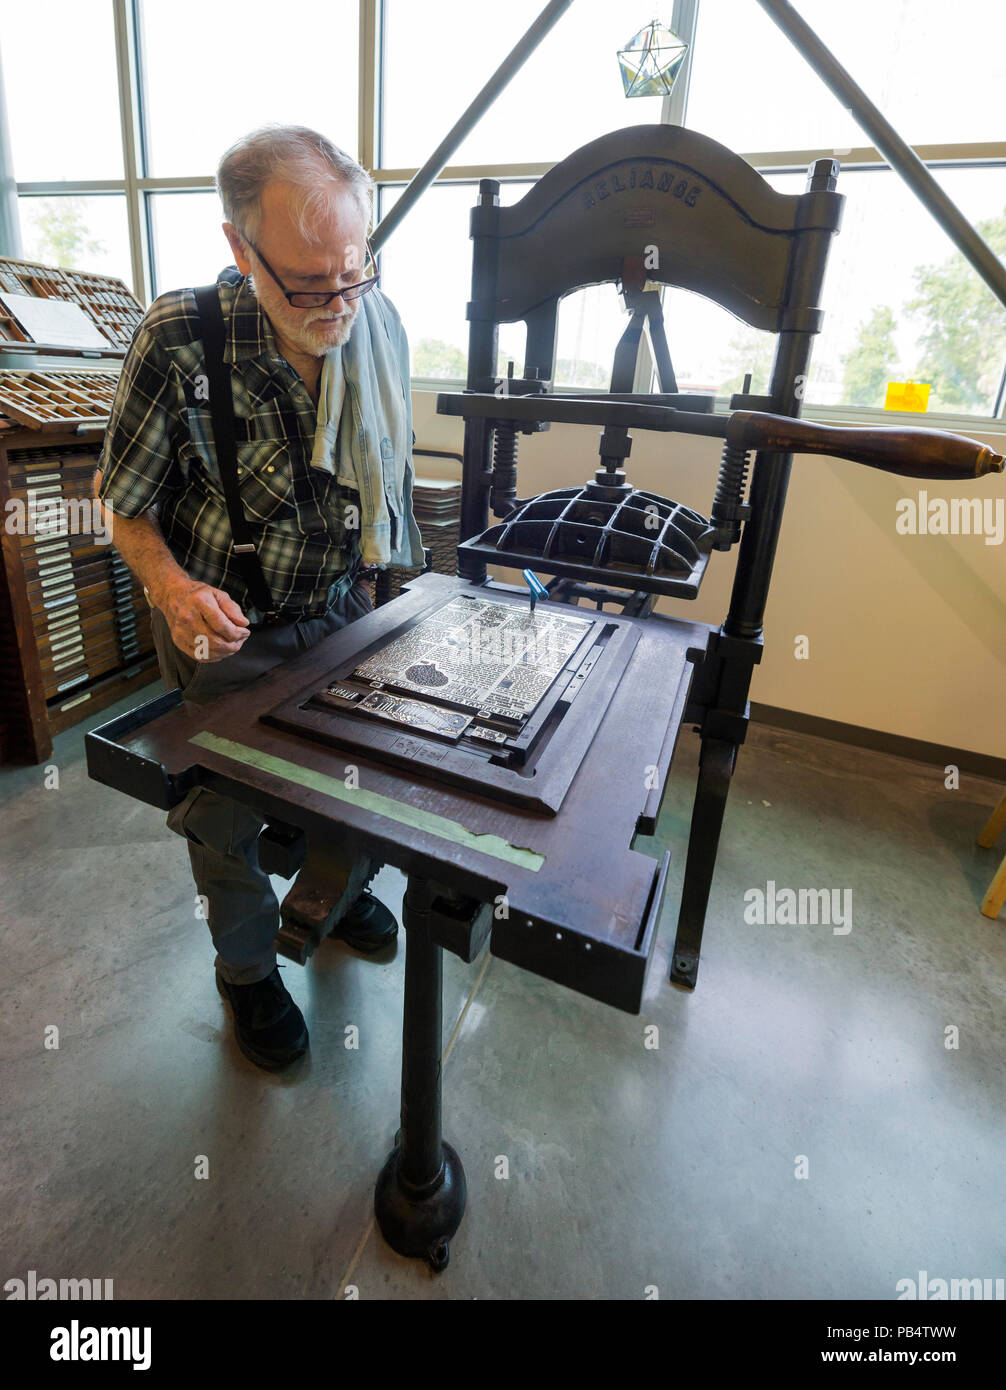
(898, 154)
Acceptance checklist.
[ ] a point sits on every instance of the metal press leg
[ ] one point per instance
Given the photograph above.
(715, 769)
(420, 1196)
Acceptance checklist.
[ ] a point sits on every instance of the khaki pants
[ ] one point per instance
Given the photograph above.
(238, 900)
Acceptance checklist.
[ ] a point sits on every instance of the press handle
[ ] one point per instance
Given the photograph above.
(908, 451)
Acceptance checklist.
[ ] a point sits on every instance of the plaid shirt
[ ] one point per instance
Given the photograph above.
(158, 452)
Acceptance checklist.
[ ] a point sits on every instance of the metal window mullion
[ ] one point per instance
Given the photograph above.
(684, 22)
(999, 409)
(988, 151)
(947, 156)
(72, 187)
(10, 218)
(149, 241)
(191, 183)
(125, 63)
(371, 19)
(466, 173)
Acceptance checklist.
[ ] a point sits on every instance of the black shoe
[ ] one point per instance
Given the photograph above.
(268, 1026)
(368, 925)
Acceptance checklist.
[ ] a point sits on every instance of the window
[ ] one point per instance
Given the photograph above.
(212, 73)
(62, 91)
(591, 321)
(189, 246)
(935, 71)
(427, 273)
(899, 300)
(80, 233)
(711, 349)
(438, 56)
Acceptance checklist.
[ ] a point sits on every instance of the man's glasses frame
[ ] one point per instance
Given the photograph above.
(315, 299)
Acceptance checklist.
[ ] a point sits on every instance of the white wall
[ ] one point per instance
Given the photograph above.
(907, 634)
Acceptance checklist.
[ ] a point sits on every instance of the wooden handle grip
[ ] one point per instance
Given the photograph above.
(911, 452)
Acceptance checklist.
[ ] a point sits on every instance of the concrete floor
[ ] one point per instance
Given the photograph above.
(629, 1167)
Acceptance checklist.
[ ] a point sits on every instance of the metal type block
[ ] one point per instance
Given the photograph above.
(414, 714)
(491, 735)
(478, 655)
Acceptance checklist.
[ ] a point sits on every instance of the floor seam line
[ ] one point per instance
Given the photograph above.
(461, 1017)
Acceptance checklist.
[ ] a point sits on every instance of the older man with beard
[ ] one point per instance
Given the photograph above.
(301, 336)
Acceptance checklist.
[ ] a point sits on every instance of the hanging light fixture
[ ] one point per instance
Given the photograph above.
(651, 60)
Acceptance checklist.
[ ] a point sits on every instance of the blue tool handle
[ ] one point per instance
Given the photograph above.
(537, 588)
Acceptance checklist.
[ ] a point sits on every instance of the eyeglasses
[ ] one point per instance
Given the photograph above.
(314, 299)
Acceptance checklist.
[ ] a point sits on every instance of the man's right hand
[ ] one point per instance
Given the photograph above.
(205, 623)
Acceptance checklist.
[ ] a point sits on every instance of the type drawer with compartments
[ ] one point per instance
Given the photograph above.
(74, 625)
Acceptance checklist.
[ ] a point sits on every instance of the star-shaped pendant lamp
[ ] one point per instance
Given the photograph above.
(651, 60)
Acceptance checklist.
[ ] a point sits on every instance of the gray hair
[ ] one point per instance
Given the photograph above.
(299, 156)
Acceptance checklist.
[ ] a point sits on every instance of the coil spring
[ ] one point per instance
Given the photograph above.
(732, 479)
(504, 447)
(504, 485)
(730, 487)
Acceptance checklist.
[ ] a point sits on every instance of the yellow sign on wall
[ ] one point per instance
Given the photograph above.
(907, 395)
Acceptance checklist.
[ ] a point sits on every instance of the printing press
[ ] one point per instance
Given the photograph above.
(505, 756)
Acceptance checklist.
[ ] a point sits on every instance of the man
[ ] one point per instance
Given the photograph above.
(306, 338)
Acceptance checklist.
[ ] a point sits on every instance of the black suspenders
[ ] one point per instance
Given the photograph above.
(222, 414)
